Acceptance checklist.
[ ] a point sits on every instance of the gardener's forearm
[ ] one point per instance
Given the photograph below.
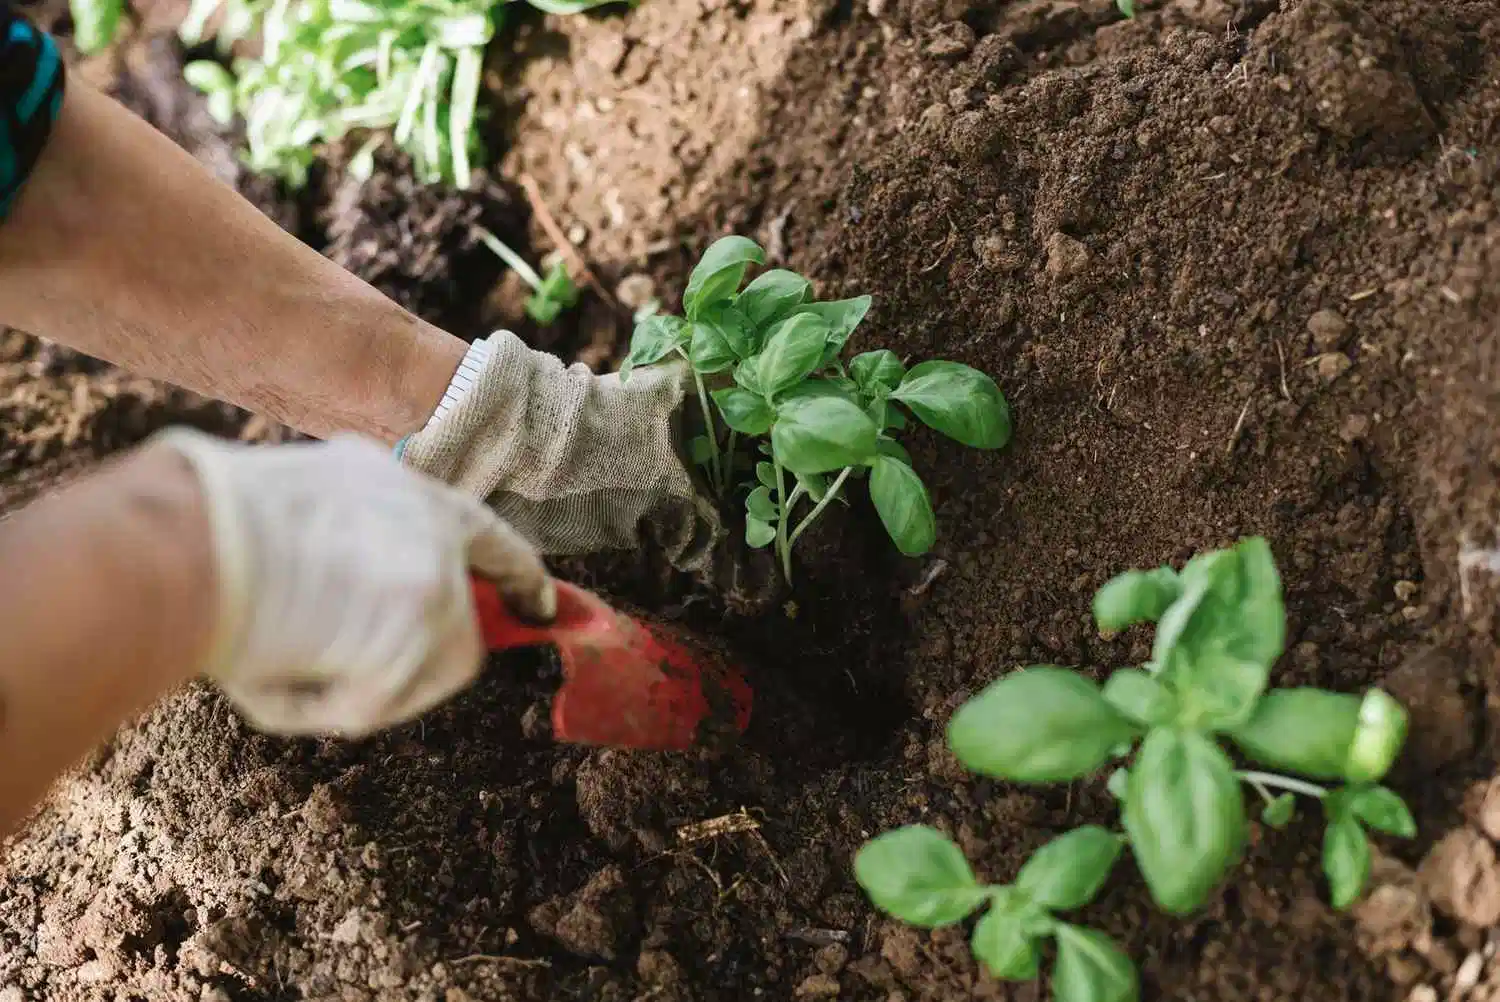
(124, 247)
(106, 602)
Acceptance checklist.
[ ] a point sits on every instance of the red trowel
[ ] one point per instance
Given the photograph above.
(628, 681)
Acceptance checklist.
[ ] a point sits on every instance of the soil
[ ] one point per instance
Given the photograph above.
(1237, 268)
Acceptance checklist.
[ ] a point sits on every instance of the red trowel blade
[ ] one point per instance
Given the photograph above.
(627, 682)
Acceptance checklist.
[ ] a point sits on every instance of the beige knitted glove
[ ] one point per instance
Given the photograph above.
(575, 462)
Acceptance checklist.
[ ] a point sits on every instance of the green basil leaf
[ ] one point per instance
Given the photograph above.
(905, 510)
(760, 505)
(819, 434)
(1346, 860)
(894, 419)
(701, 450)
(1118, 784)
(792, 352)
(893, 449)
(1141, 697)
(918, 875)
(1091, 968)
(1043, 724)
(772, 295)
(654, 338)
(747, 374)
(745, 412)
(823, 388)
(842, 316)
(710, 351)
(1135, 597)
(758, 533)
(880, 368)
(815, 484)
(1383, 811)
(1218, 640)
(556, 293)
(1069, 870)
(1185, 817)
(1378, 736)
(1002, 946)
(95, 23)
(766, 474)
(962, 403)
(1278, 813)
(719, 273)
(878, 410)
(1303, 730)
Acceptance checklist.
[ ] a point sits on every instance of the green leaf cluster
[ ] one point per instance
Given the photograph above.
(328, 68)
(768, 361)
(918, 875)
(1220, 626)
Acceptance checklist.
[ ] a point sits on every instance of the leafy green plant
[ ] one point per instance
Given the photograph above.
(550, 295)
(767, 361)
(95, 23)
(330, 67)
(1219, 628)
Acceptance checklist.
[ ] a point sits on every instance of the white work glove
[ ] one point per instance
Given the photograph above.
(344, 598)
(579, 462)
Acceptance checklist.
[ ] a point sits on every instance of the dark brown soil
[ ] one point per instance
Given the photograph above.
(1236, 267)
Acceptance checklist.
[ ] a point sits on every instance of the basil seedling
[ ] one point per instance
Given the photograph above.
(330, 67)
(768, 365)
(550, 295)
(1220, 626)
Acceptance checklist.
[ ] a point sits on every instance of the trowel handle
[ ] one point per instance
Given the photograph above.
(502, 629)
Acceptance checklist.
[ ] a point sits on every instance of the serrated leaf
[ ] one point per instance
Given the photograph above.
(919, 876)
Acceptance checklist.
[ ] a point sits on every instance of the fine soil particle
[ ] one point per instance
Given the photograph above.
(1237, 267)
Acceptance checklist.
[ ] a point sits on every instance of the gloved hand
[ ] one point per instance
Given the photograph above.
(344, 602)
(578, 462)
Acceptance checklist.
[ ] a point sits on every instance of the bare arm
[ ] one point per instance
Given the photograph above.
(106, 602)
(124, 247)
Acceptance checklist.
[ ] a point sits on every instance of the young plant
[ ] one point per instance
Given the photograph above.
(550, 295)
(1219, 629)
(768, 367)
(330, 67)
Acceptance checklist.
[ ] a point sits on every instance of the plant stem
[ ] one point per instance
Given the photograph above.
(1260, 788)
(729, 462)
(783, 546)
(512, 260)
(828, 497)
(714, 466)
(1270, 779)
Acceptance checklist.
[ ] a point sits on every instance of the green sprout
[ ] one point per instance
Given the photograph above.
(1220, 626)
(330, 67)
(95, 23)
(767, 360)
(550, 295)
